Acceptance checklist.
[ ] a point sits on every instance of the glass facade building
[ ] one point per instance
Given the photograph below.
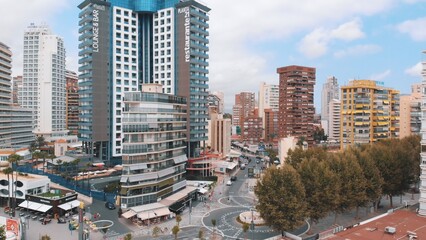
(154, 158)
(125, 44)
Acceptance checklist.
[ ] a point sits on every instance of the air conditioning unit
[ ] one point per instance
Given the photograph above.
(390, 230)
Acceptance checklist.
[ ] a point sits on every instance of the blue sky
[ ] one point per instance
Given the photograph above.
(350, 39)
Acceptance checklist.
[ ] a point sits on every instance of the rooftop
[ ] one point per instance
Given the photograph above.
(404, 221)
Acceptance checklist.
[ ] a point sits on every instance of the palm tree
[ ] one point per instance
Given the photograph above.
(13, 159)
(58, 168)
(43, 155)
(45, 237)
(8, 171)
(128, 236)
(40, 142)
(178, 219)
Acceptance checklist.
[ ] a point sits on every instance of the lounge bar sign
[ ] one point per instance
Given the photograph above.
(95, 22)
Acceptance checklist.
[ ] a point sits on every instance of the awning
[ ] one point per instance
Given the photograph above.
(25, 204)
(129, 214)
(177, 207)
(69, 205)
(138, 166)
(166, 172)
(44, 208)
(231, 165)
(180, 159)
(202, 190)
(143, 176)
(123, 179)
(35, 206)
(153, 213)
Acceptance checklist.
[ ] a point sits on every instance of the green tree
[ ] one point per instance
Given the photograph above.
(281, 198)
(321, 185)
(370, 171)
(128, 236)
(2, 232)
(178, 219)
(175, 231)
(45, 237)
(201, 234)
(245, 229)
(352, 184)
(40, 142)
(156, 231)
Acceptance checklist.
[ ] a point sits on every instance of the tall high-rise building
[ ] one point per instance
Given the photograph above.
(296, 106)
(270, 125)
(268, 99)
(422, 199)
(126, 43)
(244, 106)
(236, 115)
(72, 102)
(43, 84)
(333, 122)
(410, 114)
(252, 130)
(16, 127)
(330, 91)
(5, 95)
(17, 84)
(369, 113)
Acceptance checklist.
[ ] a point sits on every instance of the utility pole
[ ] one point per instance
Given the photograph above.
(80, 221)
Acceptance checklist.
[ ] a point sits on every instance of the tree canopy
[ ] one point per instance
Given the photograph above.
(281, 198)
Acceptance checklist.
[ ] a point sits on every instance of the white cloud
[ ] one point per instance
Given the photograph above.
(348, 31)
(415, 28)
(415, 71)
(315, 44)
(358, 50)
(17, 15)
(380, 76)
(234, 25)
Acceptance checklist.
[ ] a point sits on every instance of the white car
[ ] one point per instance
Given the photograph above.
(228, 183)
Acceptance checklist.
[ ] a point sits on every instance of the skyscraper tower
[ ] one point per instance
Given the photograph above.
(296, 106)
(126, 43)
(330, 91)
(43, 82)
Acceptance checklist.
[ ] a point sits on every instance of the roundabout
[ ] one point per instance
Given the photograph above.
(228, 226)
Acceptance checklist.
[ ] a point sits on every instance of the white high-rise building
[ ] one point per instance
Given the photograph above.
(43, 86)
(422, 200)
(330, 91)
(268, 98)
(333, 129)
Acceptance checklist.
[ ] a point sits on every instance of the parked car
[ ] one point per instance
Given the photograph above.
(110, 205)
(228, 183)
(234, 178)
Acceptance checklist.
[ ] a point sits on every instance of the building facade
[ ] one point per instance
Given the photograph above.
(268, 99)
(17, 84)
(16, 128)
(163, 42)
(333, 129)
(330, 91)
(252, 130)
(220, 96)
(410, 114)
(221, 136)
(154, 126)
(72, 102)
(43, 84)
(296, 106)
(369, 113)
(5, 95)
(270, 125)
(244, 107)
(422, 188)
